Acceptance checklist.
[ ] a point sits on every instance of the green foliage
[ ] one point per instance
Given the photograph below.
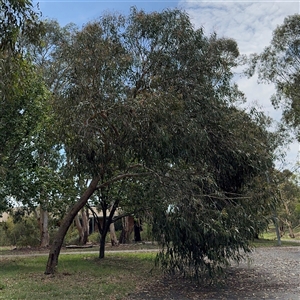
(21, 92)
(18, 20)
(4, 241)
(145, 106)
(279, 63)
(289, 197)
(23, 233)
(94, 238)
(152, 95)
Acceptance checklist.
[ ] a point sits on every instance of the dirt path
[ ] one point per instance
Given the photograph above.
(271, 273)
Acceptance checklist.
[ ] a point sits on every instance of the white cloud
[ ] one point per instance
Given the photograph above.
(251, 24)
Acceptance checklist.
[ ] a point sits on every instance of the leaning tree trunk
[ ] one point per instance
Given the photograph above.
(65, 224)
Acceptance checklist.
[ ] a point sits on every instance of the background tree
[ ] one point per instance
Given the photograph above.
(289, 200)
(279, 63)
(30, 158)
(21, 92)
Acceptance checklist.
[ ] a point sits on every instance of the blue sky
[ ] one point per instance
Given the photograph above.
(79, 12)
(250, 23)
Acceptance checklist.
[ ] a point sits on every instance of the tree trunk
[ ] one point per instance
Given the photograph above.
(127, 230)
(113, 236)
(291, 232)
(65, 224)
(79, 228)
(82, 227)
(85, 224)
(137, 231)
(102, 245)
(287, 222)
(44, 218)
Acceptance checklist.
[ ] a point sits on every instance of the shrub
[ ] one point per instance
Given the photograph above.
(23, 233)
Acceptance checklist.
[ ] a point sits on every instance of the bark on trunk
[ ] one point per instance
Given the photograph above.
(137, 231)
(291, 232)
(82, 227)
(127, 230)
(65, 224)
(113, 236)
(287, 222)
(85, 225)
(102, 245)
(44, 217)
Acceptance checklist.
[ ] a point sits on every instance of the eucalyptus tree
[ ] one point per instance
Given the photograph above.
(53, 187)
(279, 63)
(21, 91)
(147, 107)
(93, 113)
(30, 157)
(287, 192)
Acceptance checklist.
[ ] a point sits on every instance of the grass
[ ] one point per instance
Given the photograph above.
(262, 242)
(269, 238)
(84, 276)
(79, 276)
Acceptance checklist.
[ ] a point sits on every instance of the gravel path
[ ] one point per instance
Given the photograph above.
(270, 273)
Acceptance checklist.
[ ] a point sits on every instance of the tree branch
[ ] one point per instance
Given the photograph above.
(120, 177)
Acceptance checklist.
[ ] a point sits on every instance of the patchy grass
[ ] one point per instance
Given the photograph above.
(273, 243)
(79, 276)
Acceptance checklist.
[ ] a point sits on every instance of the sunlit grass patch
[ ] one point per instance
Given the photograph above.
(79, 276)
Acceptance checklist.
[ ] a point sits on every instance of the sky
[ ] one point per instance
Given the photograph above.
(250, 23)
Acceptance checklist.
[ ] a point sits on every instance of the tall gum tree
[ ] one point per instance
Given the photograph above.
(144, 104)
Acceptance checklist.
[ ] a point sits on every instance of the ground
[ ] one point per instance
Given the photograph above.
(270, 273)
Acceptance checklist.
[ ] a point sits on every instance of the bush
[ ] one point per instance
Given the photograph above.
(94, 237)
(146, 233)
(23, 233)
(72, 236)
(4, 241)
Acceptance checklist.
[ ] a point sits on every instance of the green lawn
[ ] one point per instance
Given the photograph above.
(78, 277)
